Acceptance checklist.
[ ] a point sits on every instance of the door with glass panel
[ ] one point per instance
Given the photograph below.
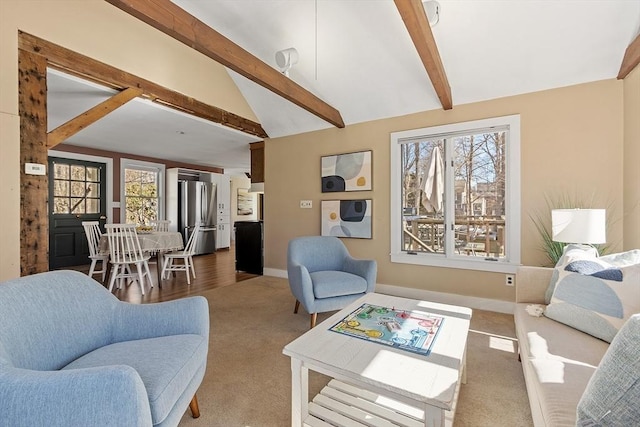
(77, 192)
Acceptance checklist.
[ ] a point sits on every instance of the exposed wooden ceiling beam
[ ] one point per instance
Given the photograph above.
(92, 115)
(184, 27)
(415, 19)
(631, 58)
(82, 66)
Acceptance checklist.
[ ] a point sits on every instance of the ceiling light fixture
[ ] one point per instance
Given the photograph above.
(432, 9)
(286, 59)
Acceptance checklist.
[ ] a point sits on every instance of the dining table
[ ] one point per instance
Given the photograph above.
(153, 242)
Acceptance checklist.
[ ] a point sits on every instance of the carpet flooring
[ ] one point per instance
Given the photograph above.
(247, 383)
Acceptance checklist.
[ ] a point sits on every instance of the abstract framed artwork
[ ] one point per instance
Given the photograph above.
(245, 202)
(346, 218)
(346, 172)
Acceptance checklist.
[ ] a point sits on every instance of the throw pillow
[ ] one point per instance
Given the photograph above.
(613, 392)
(594, 296)
(570, 253)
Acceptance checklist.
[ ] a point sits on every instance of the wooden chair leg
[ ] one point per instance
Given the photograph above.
(195, 411)
(295, 310)
(314, 317)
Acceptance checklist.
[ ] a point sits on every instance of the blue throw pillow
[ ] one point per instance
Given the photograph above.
(594, 296)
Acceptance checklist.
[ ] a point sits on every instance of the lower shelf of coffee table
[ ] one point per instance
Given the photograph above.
(343, 405)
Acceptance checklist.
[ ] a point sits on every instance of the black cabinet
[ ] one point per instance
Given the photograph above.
(249, 246)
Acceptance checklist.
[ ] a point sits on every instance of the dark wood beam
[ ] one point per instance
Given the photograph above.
(184, 27)
(34, 189)
(92, 115)
(415, 19)
(631, 58)
(82, 66)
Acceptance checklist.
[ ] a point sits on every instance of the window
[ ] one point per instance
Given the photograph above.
(76, 187)
(141, 191)
(455, 195)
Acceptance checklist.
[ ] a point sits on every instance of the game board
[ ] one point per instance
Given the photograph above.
(406, 330)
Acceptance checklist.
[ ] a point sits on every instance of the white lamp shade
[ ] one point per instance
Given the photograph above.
(579, 225)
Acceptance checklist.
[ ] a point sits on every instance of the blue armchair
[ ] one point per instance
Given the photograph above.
(72, 354)
(324, 277)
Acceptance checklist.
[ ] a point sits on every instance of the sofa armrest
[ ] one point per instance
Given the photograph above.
(76, 397)
(140, 321)
(532, 283)
(301, 285)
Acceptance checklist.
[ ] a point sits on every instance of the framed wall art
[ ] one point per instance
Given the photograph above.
(346, 172)
(245, 202)
(346, 218)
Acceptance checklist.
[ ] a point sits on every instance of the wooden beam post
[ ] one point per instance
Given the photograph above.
(34, 189)
(631, 58)
(92, 115)
(415, 19)
(84, 67)
(186, 28)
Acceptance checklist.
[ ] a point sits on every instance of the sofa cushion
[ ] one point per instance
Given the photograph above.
(328, 284)
(593, 295)
(166, 365)
(612, 395)
(558, 362)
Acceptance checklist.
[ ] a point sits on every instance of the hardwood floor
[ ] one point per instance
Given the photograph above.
(212, 270)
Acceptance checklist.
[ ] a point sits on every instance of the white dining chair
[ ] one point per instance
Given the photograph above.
(160, 224)
(93, 233)
(125, 251)
(186, 255)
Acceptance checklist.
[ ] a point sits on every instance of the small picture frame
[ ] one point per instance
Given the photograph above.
(346, 172)
(347, 218)
(245, 202)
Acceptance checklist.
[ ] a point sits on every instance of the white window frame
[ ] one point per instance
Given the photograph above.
(511, 261)
(143, 166)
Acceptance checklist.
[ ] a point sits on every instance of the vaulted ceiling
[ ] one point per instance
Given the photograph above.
(358, 57)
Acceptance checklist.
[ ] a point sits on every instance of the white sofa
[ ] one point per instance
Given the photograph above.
(557, 360)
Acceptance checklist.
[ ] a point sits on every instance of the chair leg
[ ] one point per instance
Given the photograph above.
(314, 317)
(140, 277)
(93, 267)
(114, 275)
(295, 310)
(195, 410)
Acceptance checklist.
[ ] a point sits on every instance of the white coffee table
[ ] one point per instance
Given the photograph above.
(375, 384)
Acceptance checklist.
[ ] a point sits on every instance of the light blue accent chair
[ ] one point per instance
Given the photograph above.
(324, 277)
(72, 354)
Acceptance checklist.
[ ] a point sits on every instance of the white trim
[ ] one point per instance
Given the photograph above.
(512, 197)
(142, 165)
(477, 303)
(108, 175)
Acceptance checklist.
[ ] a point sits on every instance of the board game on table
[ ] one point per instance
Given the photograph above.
(407, 330)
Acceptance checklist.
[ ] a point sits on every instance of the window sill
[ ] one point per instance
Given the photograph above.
(459, 263)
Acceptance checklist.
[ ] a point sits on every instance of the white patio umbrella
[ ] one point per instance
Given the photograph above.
(433, 189)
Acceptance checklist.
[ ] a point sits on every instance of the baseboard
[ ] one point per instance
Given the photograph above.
(421, 294)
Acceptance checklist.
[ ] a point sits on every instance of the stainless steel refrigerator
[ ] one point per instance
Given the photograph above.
(197, 205)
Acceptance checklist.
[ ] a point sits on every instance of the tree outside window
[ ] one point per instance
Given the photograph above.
(141, 196)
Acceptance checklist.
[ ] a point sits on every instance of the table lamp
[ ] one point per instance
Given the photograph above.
(587, 226)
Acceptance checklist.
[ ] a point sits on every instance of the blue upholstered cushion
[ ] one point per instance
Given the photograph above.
(612, 396)
(593, 295)
(166, 366)
(327, 284)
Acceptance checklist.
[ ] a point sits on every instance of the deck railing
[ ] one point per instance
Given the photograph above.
(474, 235)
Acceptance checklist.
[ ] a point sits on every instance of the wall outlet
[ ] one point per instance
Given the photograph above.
(510, 280)
(306, 204)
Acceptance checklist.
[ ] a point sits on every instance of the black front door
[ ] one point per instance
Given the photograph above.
(77, 192)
